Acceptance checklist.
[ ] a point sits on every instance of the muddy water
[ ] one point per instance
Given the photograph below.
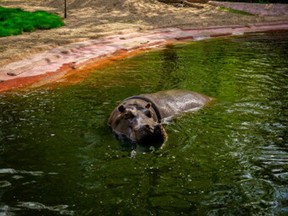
(231, 158)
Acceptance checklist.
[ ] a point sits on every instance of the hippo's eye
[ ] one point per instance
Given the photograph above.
(147, 113)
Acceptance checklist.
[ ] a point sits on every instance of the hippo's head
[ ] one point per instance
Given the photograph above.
(137, 124)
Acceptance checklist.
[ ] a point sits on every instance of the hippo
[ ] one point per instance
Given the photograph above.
(139, 119)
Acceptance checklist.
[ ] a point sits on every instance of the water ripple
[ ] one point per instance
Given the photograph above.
(4, 184)
(275, 159)
(62, 209)
(13, 171)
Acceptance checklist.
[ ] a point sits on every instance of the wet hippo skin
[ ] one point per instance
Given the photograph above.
(139, 119)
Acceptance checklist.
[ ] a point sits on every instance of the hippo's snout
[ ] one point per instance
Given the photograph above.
(150, 134)
(149, 128)
(145, 130)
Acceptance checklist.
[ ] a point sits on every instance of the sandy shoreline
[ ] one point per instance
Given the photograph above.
(91, 35)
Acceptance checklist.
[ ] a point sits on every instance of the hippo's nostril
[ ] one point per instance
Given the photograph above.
(149, 128)
(158, 129)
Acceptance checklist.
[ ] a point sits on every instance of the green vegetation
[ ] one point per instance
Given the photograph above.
(14, 21)
(235, 11)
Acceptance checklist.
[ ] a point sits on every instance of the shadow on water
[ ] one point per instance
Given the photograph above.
(58, 156)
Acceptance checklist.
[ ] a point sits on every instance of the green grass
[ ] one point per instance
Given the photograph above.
(14, 21)
(235, 11)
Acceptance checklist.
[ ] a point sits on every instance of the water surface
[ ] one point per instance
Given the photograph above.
(231, 158)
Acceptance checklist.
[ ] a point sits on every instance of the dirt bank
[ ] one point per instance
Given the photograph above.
(92, 20)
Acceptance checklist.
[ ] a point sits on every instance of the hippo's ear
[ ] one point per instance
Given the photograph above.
(121, 109)
(148, 105)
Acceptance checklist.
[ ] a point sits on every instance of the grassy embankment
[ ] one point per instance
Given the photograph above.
(14, 21)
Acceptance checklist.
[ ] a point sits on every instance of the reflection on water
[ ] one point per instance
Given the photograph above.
(231, 158)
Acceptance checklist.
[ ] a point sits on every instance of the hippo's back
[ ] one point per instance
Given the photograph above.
(173, 102)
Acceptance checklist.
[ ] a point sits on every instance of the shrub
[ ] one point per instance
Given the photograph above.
(15, 21)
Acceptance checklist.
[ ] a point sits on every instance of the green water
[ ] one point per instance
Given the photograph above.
(59, 158)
